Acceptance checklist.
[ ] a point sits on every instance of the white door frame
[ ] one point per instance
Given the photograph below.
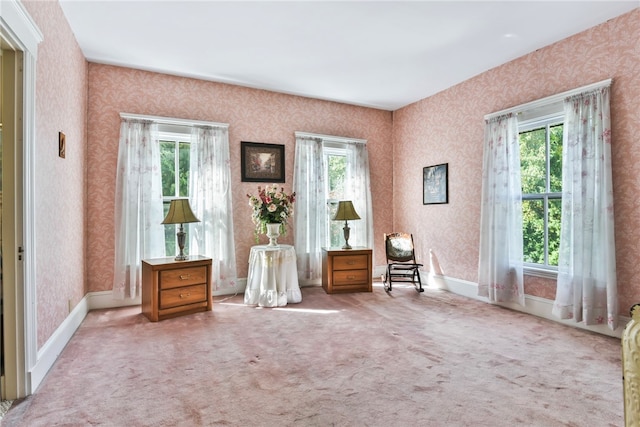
(18, 30)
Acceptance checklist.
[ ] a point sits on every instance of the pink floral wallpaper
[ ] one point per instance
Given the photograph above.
(60, 199)
(74, 199)
(448, 128)
(253, 115)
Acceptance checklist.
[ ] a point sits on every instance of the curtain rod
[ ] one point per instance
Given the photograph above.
(549, 99)
(330, 137)
(172, 121)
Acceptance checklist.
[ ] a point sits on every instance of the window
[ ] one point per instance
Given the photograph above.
(328, 169)
(335, 160)
(541, 177)
(174, 165)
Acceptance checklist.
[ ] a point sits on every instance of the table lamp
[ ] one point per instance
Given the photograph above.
(179, 213)
(346, 212)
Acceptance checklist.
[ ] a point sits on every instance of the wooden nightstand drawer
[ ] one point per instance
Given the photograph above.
(181, 296)
(347, 277)
(182, 277)
(350, 262)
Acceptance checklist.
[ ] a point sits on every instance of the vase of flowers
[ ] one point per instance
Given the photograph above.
(273, 232)
(272, 205)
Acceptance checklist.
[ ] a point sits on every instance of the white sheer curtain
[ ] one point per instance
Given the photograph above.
(138, 205)
(210, 190)
(358, 190)
(500, 271)
(310, 218)
(587, 287)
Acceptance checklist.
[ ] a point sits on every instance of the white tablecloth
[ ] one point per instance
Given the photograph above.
(273, 277)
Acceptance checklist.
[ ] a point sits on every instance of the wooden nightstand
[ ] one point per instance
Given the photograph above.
(346, 270)
(172, 288)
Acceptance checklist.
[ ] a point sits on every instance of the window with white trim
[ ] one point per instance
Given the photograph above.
(174, 165)
(541, 177)
(335, 160)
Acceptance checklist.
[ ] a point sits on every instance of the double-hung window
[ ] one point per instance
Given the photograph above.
(335, 160)
(187, 159)
(541, 177)
(547, 203)
(327, 170)
(174, 165)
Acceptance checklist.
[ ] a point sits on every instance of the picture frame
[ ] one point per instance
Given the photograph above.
(435, 188)
(62, 145)
(261, 162)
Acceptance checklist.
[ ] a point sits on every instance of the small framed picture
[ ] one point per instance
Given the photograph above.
(62, 145)
(435, 184)
(262, 162)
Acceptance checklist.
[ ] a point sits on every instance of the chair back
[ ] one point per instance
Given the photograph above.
(399, 247)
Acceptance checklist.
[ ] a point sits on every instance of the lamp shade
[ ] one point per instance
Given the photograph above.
(346, 211)
(180, 212)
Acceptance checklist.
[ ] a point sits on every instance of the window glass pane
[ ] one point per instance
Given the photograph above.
(533, 161)
(183, 164)
(170, 243)
(533, 231)
(168, 168)
(337, 166)
(555, 158)
(336, 170)
(336, 238)
(555, 211)
(174, 166)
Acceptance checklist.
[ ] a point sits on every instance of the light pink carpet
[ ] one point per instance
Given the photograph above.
(366, 359)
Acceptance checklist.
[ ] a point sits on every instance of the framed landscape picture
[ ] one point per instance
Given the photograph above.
(262, 162)
(435, 184)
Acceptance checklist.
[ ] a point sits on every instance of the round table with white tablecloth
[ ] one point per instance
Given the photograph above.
(272, 280)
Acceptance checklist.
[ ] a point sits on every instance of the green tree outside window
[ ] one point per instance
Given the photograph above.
(541, 175)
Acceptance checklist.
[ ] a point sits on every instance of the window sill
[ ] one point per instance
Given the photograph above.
(540, 272)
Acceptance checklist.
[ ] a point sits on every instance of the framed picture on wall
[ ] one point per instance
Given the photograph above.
(435, 187)
(262, 162)
(62, 145)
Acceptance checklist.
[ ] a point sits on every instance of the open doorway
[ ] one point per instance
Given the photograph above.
(13, 382)
(7, 135)
(1, 302)
(19, 39)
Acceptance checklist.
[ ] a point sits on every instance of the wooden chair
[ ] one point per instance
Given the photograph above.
(401, 261)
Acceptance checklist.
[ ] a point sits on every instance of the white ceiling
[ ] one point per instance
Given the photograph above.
(372, 53)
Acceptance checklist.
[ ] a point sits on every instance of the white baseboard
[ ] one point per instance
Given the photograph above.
(50, 351)
(237, 289)
(104, 299)
(536, 306)
(48, 354)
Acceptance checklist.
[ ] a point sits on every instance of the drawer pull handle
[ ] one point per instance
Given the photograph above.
(185, 276)
(185, 296)
(351, 277)
(351, 262)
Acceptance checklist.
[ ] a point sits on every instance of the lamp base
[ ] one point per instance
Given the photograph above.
(346, 230)
(181, 240)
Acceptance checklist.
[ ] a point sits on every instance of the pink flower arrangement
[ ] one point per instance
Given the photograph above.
(271, 205)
